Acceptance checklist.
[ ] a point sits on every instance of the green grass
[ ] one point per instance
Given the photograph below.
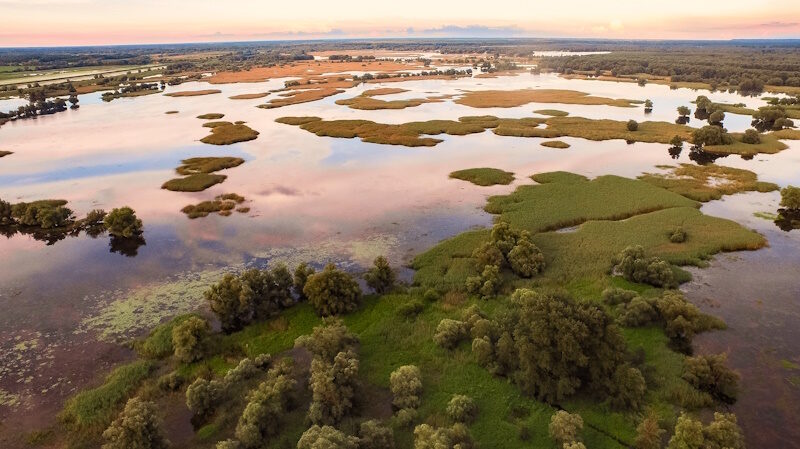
(590, 129)
(227, 134)
(769, 145)
(193, 183)
(158, 344)
(484, 176)
(552, 112)
(94, 409)
(207, 164)
(707, 182)
(555, 144)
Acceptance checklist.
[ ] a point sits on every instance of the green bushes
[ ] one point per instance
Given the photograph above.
(189, 338)
(122, 222)
(711, 135)
(136, 427)
(751, 137)
(722, 432)
(565, 427)
(462, 409)
(202, 396)
(710, 374)
(790, 198)
(326, 437)
(511, 248)
(267, 404)
(406, 385)
(455, 437)
(683, 320)
(636, 267)
(449, 333)
(771, 118)
(380, 277)
(46, 214)
(487, 284)
(301, 275)
(678, 235)
(332, 291)
(374, 435)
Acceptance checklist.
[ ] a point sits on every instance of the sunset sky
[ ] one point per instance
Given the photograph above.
(87, 22)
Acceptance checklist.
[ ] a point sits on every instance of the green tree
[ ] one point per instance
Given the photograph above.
(122, 222)
(648, 105)
(267, 405)
(374, 435)
(333, 386)
(635, 266)
(380, 277)
(449, 333)
(332, 291)
(189, 338)
(710, 373)
(202, 396)
(231, 300)
(301, 275)
(751, 136)
(790, 198)
(722, 433)
(406, 385)
(676, 142)
(684, 111)
(710, 135)
(137, 427)
(462, 409)
(326, 437)
(565, 427)
(716, 117)
(328, 339)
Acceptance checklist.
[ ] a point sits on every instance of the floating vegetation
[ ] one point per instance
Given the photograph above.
(171, 112)
(484, 176)
(211, 116)
(249, 96)
(193, 93)
(297, 96)
(366, 100)
(555, 144)
(766, 215)
(226, 133)
(707, 182)
(193, 183)
(4, 153)
(551, 112)
(221, 204)
(216, 123)
(513, 98)
(207, 164)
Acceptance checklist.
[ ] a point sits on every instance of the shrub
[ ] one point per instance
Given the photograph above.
(636, 267)
(380, 277)
(709, 373)
(632, 125)
(333, 385)
(508, 248)
(526, 259)
(137, 426)
(678, 235)
(122, 222)
(170, 382)
(676, 142)
(790, 198)
(716, 117)
(455, 437)
(751, 136)
(328, 339)
(267, 404)
(638, 312)
(648, 433)
(683, 320)
(410, 309)
(326, 437)
(203, 395)
(406, 385)
(449, 333)
(374, 435)
(245, 369)
(405, 417)
(565, 427)
(613, 295)
(332, 291)
(231, 301)
(628, 388)
(487, 284)
(684, 111)
(431, 295)
(301, 275)
(722, 432)
(462, 409)
(710, 135)
(189, 337)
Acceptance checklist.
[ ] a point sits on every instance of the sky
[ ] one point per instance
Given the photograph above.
(95, 22)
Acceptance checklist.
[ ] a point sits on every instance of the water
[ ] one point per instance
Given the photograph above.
(319, 199)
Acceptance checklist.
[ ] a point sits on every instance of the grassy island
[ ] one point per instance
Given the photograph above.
(484, 176)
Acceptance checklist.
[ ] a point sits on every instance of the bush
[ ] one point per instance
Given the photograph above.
(462, 409)
(203, 395)
(632, 125)
(716, 117)
(122, 222)
(189, 338)
(710, 135)
(328, 339)
(790, 198)
(380, 277)
(137, 426)
(374, 435)
(301, 275)
(231, 301)
(455, 437)
(565, 427)
(722, 432)
(410, 309)
(170, 382)
(406, 385)
(678, 235)
(638, 312)
(333, 385)
(508, 248)
(648, 433)
(267, 404)
(487, 284)
(431, 295)
(636, 267)
(326, 437)
(683, 320)
(751, 136)
(526, 259)
(676, 142)
(709, 373)
(628, 388)
(449, 333)
(613, 296)
(405, 417)
(332, 291)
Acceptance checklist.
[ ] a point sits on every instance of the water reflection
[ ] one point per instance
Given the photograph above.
(127, 246)
(788, 219)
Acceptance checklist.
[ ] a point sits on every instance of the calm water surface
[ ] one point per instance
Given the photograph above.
(67, 305)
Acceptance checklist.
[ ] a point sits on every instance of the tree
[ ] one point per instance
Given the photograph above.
(231, 300)
(267, 405)
(328, 339)
(709, 373)
(406, 385)
(301, 275)
(189, 337)
(648, 433)
(790, 198)
(716, 118)
(565, 427)
(462, 409)
(508, 248)
(455, 437)
(332, 291)
(487, 284)
(449, 333)
(122, 222)
(710, 135)
(771, 118)
(5, 213)
(632, 125)
(684, 111)
(202, 396)
(648, 105)
(137, 427)
(722, 433)
(526, 259)
(751, 136)
(374, 435)
(627, 388)
(676, 142)
(326, 437)
(380, 277)
(333, 386)
(636, 267)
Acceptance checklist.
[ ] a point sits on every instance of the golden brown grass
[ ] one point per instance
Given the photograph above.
(786, 134)
(221, 204)
(383, 91)
(207, 164)
(249, 96)
(555, 144)
(307, 68)
(654, 132)
(193, 93)
(211, 116)
(193, 183)
(298, 96)
(707, 182)
(551, 112)
(367, 102)
(513, 98)
(216, 123)
(229, 133)
(769, 145)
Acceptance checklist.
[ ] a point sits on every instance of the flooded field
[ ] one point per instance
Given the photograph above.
(69, 307)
